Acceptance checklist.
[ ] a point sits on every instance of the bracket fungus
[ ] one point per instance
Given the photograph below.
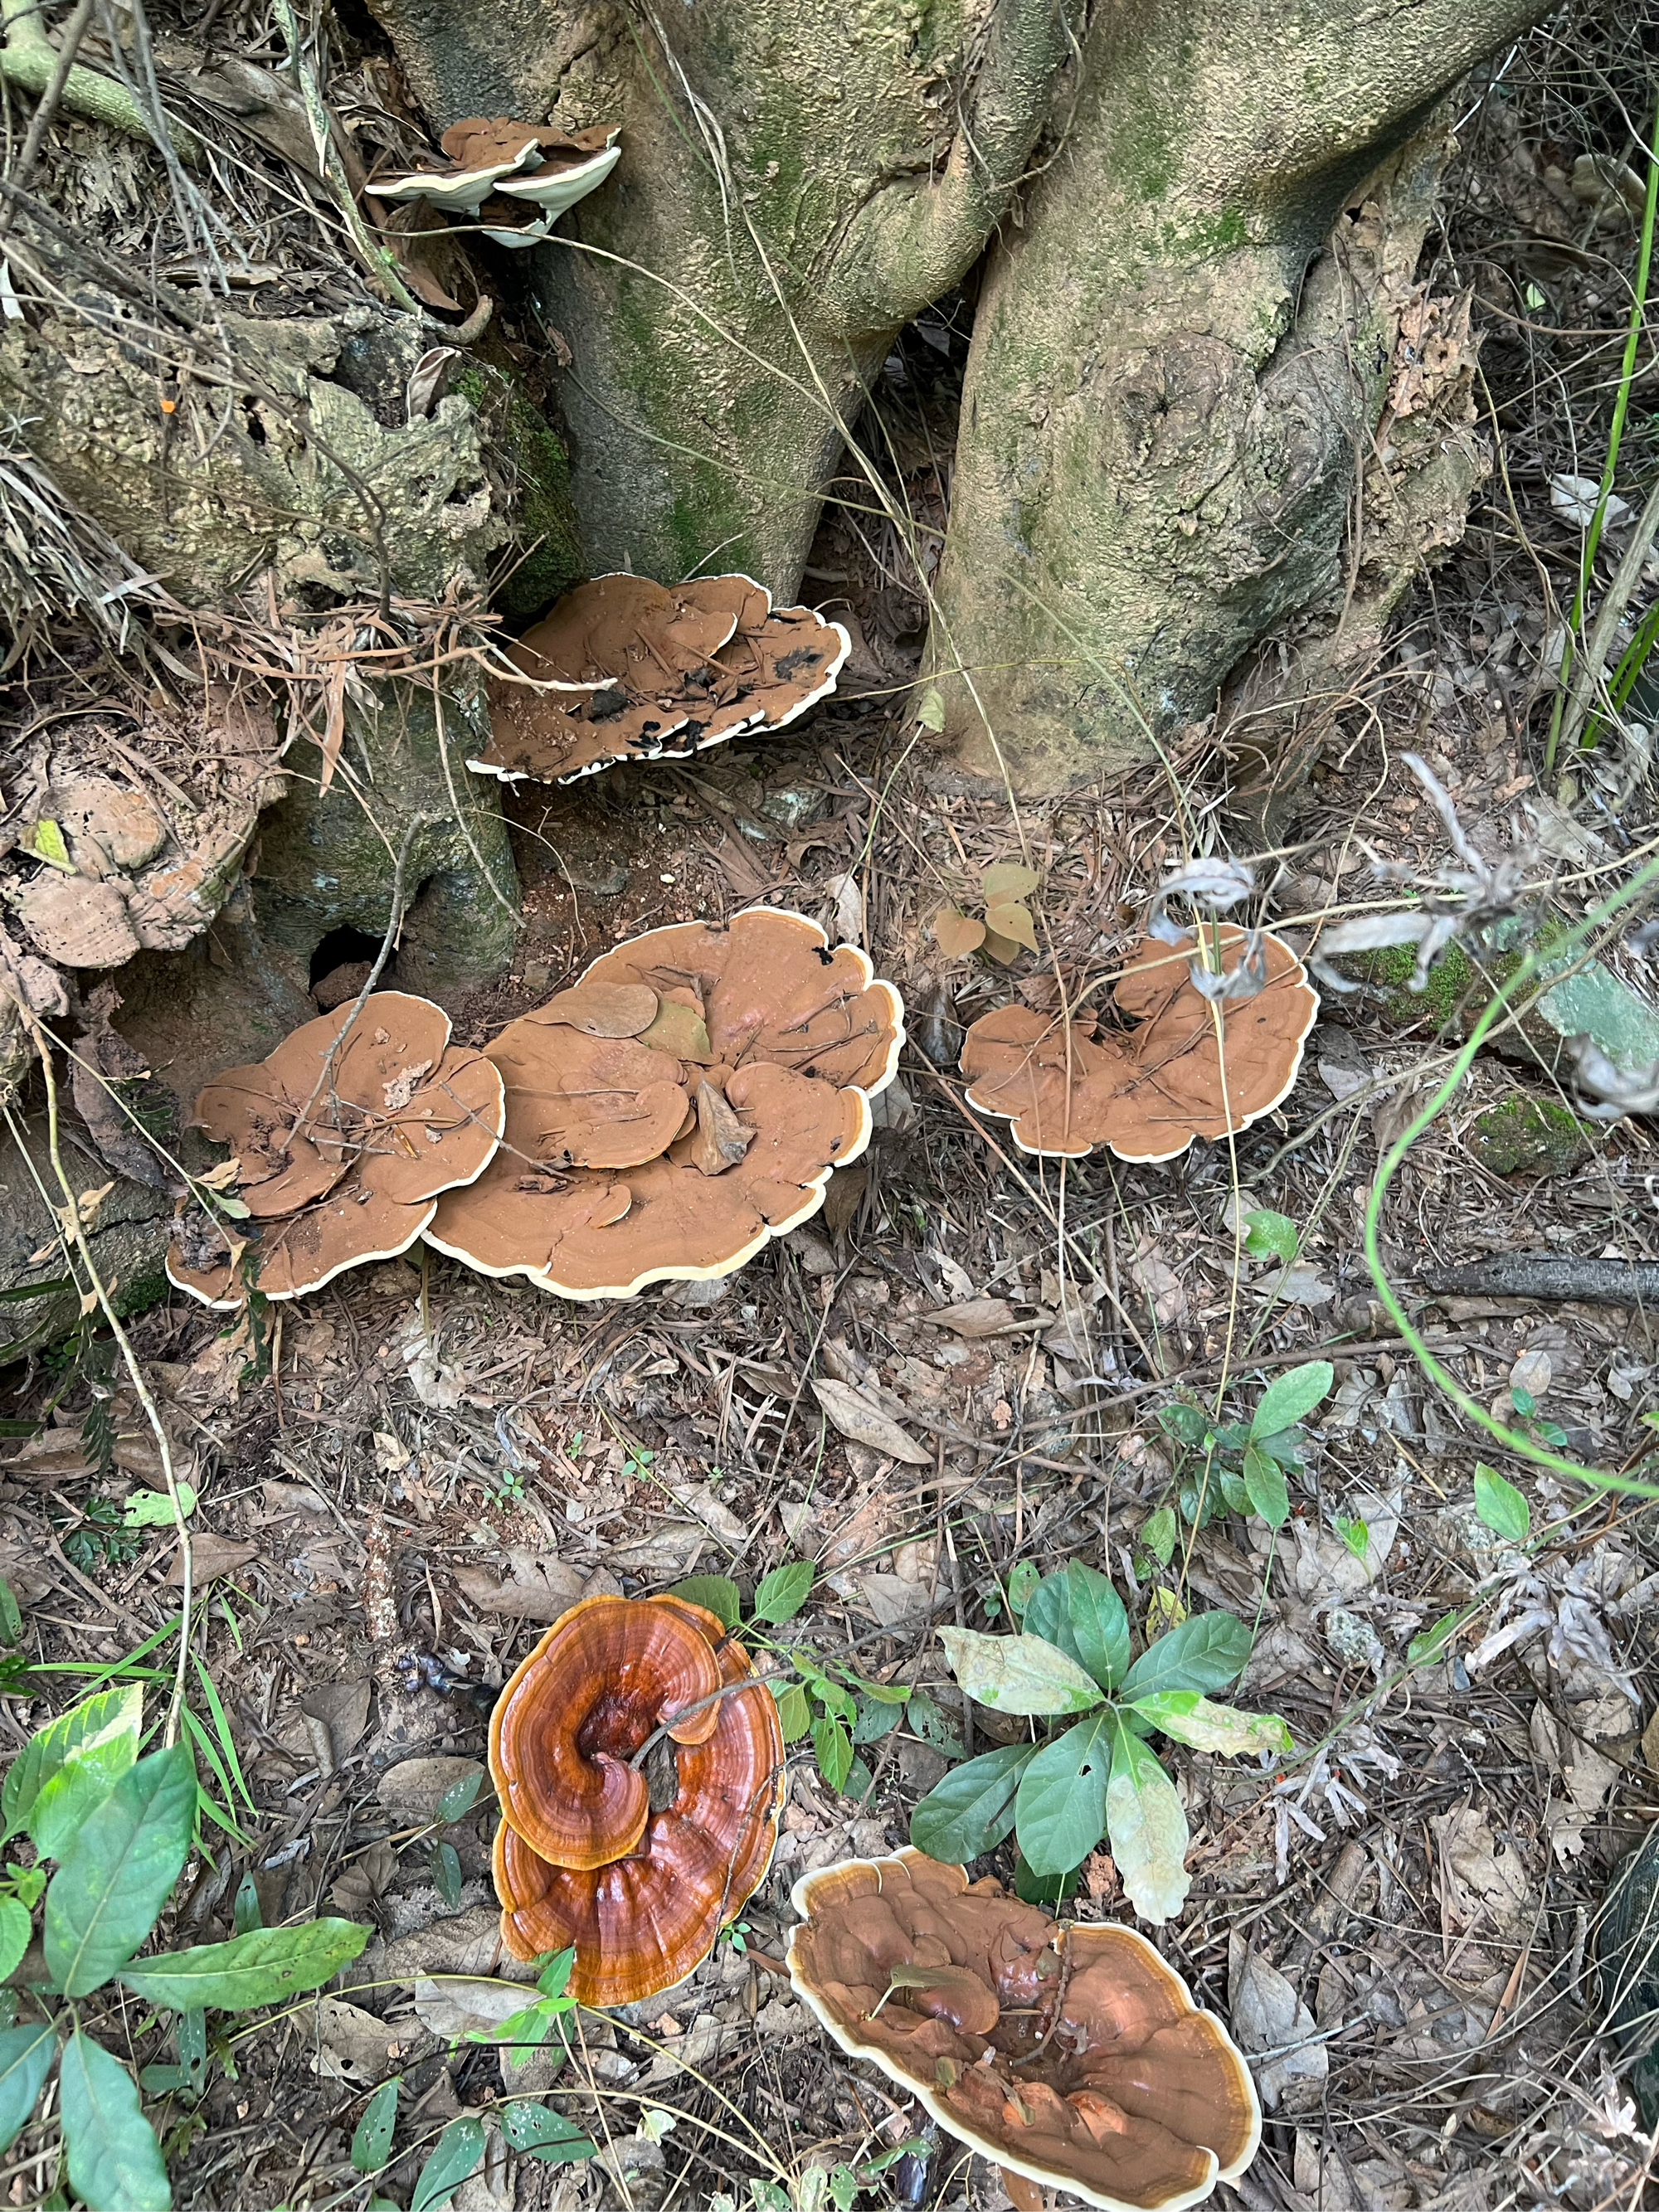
(688, 1099)
(626, 1833)
(625, 669)
(343, 1138)
(1148, 1090)
(491, 155)
(1072, 2056)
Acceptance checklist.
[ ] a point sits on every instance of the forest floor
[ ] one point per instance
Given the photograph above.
(410, 1473)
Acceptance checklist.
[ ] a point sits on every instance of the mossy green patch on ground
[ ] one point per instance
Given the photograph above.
(1529, 1136)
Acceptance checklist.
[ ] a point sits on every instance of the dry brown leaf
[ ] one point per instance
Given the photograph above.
(1011, 921)
(212, 1555)
(721, 1139)
(956, 934)
(1007, 879)
(862, 1420)
(532, 1584)
(979, 1317)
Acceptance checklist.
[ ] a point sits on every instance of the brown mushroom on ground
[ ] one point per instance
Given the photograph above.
(344, 1138)
(1072, 2056)
(769, 1048)
(1148, 1090)
(645, 671)
(638, 1867)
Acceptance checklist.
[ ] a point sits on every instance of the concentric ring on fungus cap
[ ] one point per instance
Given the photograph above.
(1147, 1091)
(1138, 2101)
(769, 1032)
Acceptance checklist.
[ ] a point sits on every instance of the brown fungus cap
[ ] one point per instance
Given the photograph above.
(641, 1921)
(341, 1158)
(650, 670)
(776, 1045)
(1147, 1091)
(1131, 2098)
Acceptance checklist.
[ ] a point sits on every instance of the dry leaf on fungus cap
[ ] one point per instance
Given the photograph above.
(346, 1169)
(1147, 1091)
(779, 1044)
(1138, 2099)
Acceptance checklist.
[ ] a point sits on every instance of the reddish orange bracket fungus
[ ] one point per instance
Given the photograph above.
(687, 1100)
(1074, 2058)
(639, 670)
(1190, 1066)
(343, 1138)
(638, 1866)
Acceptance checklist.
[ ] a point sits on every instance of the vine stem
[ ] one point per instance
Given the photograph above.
(1523, 1446)
(685, 1712)
(72, 1223)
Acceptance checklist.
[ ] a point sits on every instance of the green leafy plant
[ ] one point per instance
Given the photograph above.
(1091, 1772)
(98, 1537)
(839, 1709)
(1004, 927)
(1237, 1467)
(118, 1828)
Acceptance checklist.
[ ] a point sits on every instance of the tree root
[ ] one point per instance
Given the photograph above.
(27, 60)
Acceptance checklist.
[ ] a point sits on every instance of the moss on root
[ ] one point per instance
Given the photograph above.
(530, 460)
(1529, 1136)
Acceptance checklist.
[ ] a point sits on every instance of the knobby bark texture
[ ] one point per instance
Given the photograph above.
(1161, 425)
(798, 181)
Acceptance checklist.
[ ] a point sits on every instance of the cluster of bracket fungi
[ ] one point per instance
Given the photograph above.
(1072, 2056)
(513, 180)
(1197, 1062)
(639, 1765)
(625, 669)
(688, 1099)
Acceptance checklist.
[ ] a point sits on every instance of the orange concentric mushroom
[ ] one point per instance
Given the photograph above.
(1073, 2057)
(638, 1868)
(344, 1137)
(1148, 1090)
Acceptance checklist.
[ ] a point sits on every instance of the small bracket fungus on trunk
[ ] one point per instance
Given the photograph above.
(492, 154)
(343, 1139)
(687, 1100)
(624, 669)
(1073, 2057)
(635, 1860)
(1148, 1090)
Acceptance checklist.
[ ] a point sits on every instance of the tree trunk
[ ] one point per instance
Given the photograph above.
(1160, 424)
(798, 181)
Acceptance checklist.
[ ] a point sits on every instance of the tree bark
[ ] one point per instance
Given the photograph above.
(1157, 448)
(798, 182)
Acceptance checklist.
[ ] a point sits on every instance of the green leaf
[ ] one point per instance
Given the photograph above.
(1433, 1644)
(1146, 1830)
(1290, 1396)
(1501, 1505)
(152, 1508)
(114, 1878)
(458, 2151)
(556, 1974)
(833, 1749)
(1187, 1424)
(11, 1620)
(1022, 1579)
(79, 1787)
(972, 1809)
(260, 1968)
(370, 2143)
(795, 1711)
(1264, 1485)
(103, 1718)
(1523, 1400)
(1018, 1674)
(1061, 1810)
(716, 1593)
(1269, 1236)
(779, 1596)
(14, 1927)
(25, 2057)
(115, 2163)
(544, 2135)
(1354, 1533)
(930, 711)
(1007, 879)
(1192, 1719)
(1047, 1889)
(1159, 1534)
(1206, 1653)
(246, 1912)
(446, 1874)
(1079, 1612)
(48, 844)
(460, 1796)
